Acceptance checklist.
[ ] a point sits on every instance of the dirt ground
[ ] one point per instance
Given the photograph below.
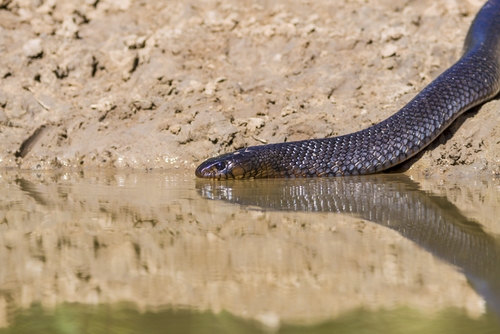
(166, 84)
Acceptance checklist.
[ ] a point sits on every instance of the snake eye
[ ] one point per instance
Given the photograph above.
(220, 166)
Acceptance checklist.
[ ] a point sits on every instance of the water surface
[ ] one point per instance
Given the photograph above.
(120, 252)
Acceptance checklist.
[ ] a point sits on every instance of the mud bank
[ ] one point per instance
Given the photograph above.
(166, 84)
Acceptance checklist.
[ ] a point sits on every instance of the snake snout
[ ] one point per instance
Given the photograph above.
(227, 166)
(212, 169)
(221, 167)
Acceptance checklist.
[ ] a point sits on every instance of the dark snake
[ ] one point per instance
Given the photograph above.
(472, 80)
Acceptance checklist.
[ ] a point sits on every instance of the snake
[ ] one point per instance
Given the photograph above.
(471, 80)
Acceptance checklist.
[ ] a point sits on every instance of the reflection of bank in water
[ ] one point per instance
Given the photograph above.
(151, 240)
(396, 202)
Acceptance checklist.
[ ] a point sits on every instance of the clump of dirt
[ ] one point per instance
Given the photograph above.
(155, 84)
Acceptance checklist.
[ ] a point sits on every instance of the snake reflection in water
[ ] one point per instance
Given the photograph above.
(472, 80)
(430, 220)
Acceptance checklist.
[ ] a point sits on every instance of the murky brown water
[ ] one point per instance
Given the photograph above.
(125, 252)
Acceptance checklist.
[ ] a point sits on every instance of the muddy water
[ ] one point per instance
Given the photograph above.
(131, 252)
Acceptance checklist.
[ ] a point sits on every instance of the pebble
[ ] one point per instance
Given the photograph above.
(389, 50)
(175, 129)
(288, 110)
(33, 48)
(255, 123)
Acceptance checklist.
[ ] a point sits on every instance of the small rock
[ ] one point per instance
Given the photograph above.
(175, 129)
(268, 31)
(309, 28)
(255, 123)
(126, 60)
(104, 105)
(192, 87)
(143, 104)
(33, 48)
(210, 88)
(163, 126)
(393, 33)
(389, 50)
(69, 28)
(135, 42)
(288, 110)
(47, 7)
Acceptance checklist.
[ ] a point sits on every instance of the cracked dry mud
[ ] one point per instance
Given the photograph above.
(166, 84)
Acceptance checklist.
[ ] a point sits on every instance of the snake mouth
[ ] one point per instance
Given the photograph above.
(217, 168)
(211, 170)
(227, 166)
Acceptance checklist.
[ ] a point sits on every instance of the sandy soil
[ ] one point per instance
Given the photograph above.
(166, 84)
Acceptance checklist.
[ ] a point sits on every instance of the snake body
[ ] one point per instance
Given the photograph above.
(472, 80)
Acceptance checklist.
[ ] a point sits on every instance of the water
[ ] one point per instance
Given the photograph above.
(113, 252)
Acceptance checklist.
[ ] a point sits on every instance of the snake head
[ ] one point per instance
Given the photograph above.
(236, 165)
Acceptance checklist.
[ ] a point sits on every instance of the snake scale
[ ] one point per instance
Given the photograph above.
(472, 80)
